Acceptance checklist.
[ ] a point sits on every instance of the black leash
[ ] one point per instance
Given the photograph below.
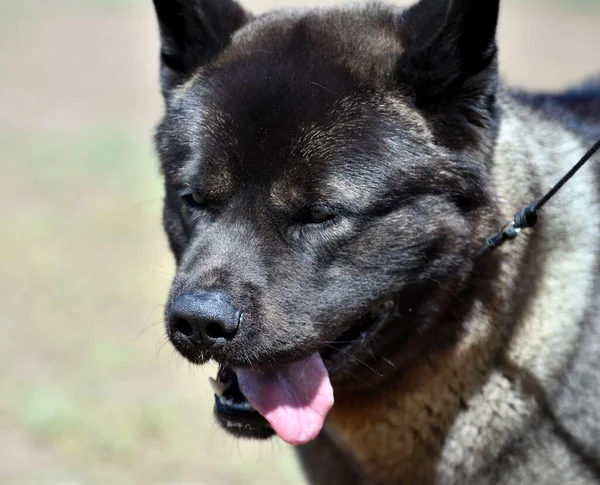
(527, 216)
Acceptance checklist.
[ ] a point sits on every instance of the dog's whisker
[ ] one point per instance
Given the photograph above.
(328, 342)
(146, 329)
(323, 87)
(159, 343)
(368, 384)
(388, 361)
(162, 341)
(348, 354)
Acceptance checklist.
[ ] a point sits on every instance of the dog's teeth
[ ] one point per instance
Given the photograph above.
(218, 387)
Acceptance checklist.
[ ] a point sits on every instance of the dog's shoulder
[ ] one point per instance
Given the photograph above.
(537, 413)
(577, 107)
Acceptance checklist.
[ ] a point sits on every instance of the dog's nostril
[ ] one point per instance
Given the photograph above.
(183, 327)
(215, 330)
(204, 320)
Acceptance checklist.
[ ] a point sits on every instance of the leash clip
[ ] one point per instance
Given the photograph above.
(527, 217)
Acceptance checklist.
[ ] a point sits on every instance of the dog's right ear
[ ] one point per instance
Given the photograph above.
(192, 33)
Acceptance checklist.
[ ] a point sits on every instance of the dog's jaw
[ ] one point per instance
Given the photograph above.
(244, 398)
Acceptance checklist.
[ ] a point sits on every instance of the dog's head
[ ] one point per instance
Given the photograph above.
(326, 181)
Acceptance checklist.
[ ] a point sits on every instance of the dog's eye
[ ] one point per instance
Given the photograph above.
(195, 199)
(319, 215)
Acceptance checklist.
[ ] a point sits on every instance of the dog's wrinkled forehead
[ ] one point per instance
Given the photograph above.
(291, 96)
(269, 142)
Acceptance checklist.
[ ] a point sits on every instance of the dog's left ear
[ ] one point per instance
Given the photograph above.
(449, 66)
(193, 32)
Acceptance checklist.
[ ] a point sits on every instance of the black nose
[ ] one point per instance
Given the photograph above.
(203, 319)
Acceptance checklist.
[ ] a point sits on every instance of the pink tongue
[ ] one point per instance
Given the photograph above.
(294, 399)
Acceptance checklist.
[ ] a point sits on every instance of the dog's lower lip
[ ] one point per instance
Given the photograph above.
(233, 410)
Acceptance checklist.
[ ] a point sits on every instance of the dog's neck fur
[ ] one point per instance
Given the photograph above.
(448, 417)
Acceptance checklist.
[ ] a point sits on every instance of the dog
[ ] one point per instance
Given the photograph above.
(330, 177)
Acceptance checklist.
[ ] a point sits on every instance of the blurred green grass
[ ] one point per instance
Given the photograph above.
(79, 254)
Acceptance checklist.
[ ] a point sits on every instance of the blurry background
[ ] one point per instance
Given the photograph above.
(89, 391)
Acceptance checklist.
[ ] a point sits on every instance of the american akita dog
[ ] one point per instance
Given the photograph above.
(330, 176)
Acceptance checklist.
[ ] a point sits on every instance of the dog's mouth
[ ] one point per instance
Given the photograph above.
(292, 400)
(232, 409)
